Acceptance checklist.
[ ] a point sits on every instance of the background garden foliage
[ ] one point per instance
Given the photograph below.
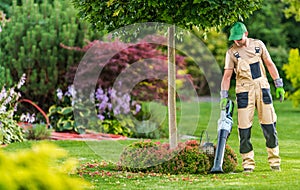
(45, 40)
(116, 114)
(39, 37)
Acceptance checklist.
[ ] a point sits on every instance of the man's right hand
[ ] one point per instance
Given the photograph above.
(223, 103)
(224, 99)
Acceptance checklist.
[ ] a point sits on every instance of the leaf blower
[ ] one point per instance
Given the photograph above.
(224, 128)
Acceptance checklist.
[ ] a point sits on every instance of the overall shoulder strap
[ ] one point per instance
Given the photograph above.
(257, 48)
(236, 54)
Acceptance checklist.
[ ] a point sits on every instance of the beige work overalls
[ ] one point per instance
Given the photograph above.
(253, 92)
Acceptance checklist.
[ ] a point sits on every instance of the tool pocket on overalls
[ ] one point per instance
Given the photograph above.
(242, 95)
(242, 99)
(266, 94)
(255, 70)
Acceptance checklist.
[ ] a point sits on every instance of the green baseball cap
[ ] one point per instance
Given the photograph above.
(237, 31)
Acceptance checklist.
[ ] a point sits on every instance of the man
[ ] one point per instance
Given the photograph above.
(248, 57)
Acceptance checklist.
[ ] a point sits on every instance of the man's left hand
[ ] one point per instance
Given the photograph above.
(280, 93)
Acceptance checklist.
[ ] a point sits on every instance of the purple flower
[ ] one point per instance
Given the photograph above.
(102, 105)
(59, 94)
(2, 109)
(28, 118)
(101, 117)
(109, 106)
(22, 81)
(99, 93)
(138, 108)
(3, 93)
(71, 91)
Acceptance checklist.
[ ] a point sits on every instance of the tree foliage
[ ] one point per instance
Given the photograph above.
(292, 23)
(113, 14)
(292, 73)
(216, 42)
(293, 9)
(30, 44)
(267, 24)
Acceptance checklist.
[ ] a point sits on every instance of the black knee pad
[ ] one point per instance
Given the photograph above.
(245, 143)
(270, 134)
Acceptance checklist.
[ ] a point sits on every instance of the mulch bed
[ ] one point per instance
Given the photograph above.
(87, 136)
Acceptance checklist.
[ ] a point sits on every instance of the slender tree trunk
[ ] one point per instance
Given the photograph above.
(172, 88)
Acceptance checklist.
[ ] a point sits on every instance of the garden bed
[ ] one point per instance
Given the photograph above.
(87, 136)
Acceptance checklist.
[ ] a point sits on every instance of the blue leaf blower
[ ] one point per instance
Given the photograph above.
(224, 128)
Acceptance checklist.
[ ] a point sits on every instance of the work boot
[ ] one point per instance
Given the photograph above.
(248, 160)
(275, 168)
(248, 170)
(273, 156)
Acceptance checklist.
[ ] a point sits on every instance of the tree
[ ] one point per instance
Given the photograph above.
(113, 14)
(293, 9)
(292, 25)
(294, 57)
(32, 45)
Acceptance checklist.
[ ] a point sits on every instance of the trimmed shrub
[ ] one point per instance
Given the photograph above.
(188, 157)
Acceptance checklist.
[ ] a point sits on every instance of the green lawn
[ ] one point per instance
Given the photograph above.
(103, 176)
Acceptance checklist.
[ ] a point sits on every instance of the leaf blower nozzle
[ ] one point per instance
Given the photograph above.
(224, 128)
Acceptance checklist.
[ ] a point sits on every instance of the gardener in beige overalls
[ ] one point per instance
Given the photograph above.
(247, 58)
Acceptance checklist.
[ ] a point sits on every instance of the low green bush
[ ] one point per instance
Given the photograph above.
(188, 157)
(36, 168)
(37, 132)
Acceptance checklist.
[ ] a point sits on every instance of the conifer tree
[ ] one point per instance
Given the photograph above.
(30, 43)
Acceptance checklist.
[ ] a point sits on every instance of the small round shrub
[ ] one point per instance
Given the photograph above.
(187, 157)
(37, 132)
(230, 161)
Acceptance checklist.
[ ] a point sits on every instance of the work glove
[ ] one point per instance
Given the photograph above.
(280, 93)
(279, 89)
(224, 99)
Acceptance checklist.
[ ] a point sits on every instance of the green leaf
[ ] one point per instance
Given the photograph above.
(66, 111)
(65, 125)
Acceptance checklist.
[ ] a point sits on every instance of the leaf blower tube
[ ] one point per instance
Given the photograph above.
(224, 128)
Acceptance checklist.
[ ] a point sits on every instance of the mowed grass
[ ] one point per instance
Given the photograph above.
(288, 128)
